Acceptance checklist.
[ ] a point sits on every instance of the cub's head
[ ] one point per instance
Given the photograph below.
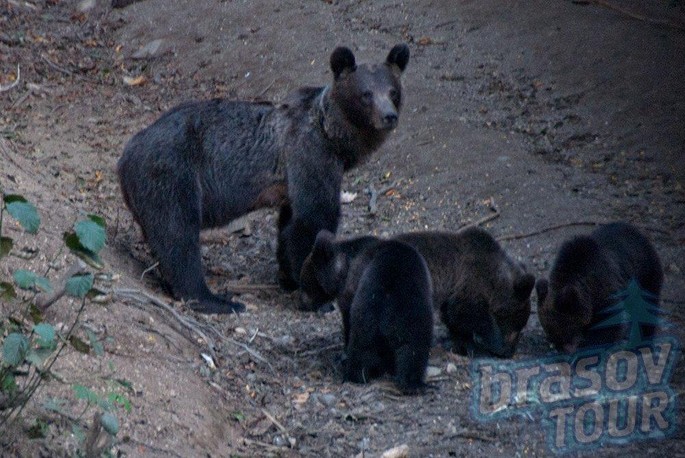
(508, 310)
(369, 96)
(564, 302)
(323, 272)
(563, 314)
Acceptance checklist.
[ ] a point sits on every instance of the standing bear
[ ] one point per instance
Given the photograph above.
(588, 274)
(384, 293)
(205, 163)
(480, 292)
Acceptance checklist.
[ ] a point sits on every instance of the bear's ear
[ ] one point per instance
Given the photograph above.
(542, 288)
(342, 59)
(324, 240)
(399, 55)
(523, 286)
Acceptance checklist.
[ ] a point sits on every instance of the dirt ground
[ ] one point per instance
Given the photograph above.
(554, 113)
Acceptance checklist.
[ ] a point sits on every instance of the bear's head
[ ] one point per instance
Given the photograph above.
(565, 301)
(369, 96)
(326, 269)
(508, 309)
(490, 304)
(563, 314)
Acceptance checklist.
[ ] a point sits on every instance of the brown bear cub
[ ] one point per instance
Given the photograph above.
(204, 163)
(588, 273)
(482, 295)
(383, 291)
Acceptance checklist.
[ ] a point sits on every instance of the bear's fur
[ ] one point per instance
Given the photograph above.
(204, 163)
(383, 291)
(483, 296)
(588, 273)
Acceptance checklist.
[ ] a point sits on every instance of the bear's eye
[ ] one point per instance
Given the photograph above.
(367, 97)
(394, 94)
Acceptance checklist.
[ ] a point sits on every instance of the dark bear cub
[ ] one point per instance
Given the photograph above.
(482, 295)
(202, 164)
(383, 291)
(588, 273)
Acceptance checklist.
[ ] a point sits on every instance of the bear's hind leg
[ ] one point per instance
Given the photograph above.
(174, 237)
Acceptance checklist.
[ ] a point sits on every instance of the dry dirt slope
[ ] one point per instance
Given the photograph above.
(556, 112)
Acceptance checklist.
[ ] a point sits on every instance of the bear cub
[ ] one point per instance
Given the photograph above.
(588, 273)
(482, 295)
(383, 291)
(205, 163)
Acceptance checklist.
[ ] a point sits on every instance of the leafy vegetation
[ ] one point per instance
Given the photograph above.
(30, 345)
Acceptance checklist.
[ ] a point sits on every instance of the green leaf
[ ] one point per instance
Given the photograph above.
(46, 335)
(72, 242)
(25, 279)
(14, 349)
(78, 285)
(39, 430)
(34, 358)
(23, 211)
(82, 392)
(55, 405)
(90, 234)
(79, 345)
(110, 423)
(6, 245)
(95, 344)
(99, 220)
(8, 383)
(78, 433)
(7, 291)
(121, 400)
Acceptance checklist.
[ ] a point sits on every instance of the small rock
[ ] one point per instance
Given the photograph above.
(432, 371)
(451, 368)
(327, 399)
(240, 331)
(149, 50)
(401, 451)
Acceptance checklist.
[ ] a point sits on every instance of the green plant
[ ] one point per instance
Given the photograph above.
(31, 347)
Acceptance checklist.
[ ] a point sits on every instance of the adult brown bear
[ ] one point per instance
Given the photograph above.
(202, 164)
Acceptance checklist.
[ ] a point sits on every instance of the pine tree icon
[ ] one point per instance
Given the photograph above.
(636, 307)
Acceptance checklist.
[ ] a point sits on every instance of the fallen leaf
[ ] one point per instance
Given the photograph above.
(137, 81)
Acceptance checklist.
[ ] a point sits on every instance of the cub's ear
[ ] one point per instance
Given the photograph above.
(523, 286)
(541, 288)
(399, 55)
(342, 60)
(324, 241)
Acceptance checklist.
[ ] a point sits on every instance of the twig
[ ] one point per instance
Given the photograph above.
(485, 219)
(246, 288)
(272, 419)
(252, 352)
(272, 448)
(266, 88)
(56, 67)
(631, 14)
(14, 83)
(373, 200)
(136, 294)
(45, 300)
(548, 229)
(146, 271)
(316, 351)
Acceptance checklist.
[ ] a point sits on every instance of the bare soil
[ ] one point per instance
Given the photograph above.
(554, 113)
